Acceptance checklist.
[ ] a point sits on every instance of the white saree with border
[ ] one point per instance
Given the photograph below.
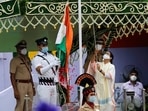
(105, 85)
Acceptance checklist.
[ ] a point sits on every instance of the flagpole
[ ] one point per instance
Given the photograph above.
(80, 44)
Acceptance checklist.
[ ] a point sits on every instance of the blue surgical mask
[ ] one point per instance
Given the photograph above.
(44, 49)
(92, 99)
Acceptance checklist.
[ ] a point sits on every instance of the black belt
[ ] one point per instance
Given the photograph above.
(46, 81)
(23, 81)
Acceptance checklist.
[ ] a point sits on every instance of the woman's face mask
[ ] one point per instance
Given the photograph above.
(133, 78)
(106, 56)
(24, 51)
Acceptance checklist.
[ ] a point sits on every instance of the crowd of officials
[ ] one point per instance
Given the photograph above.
(98, 81)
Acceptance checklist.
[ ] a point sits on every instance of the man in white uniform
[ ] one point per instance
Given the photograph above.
(46, 66)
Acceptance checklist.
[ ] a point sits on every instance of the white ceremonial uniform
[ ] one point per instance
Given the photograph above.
(47, 88)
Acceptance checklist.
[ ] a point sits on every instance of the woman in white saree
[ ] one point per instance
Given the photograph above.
(104, 73)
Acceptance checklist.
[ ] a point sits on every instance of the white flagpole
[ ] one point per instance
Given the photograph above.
(80, 44)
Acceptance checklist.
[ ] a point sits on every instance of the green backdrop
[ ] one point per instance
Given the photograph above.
(10, 38)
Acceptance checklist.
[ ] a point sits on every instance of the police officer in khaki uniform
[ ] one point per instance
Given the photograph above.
(21, 78)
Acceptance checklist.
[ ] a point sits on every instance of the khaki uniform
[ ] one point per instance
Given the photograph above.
(23, 80)
(86, 107)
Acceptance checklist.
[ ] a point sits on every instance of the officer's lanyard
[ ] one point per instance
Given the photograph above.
(24, 61)
(48, 63)
(29, 69)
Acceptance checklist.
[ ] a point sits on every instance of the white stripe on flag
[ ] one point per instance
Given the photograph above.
(61, 34)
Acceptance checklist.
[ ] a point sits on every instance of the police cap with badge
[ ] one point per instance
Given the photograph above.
(21, 44)
(43, 41)
(87, 81)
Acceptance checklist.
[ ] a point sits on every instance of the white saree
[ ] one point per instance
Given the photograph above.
(105, 85)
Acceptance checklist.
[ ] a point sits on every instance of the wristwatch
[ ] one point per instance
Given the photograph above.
(100, 70)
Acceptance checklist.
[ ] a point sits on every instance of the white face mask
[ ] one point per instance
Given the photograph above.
(133, 78)
(106, 56)
(24, 51)
(98, 46)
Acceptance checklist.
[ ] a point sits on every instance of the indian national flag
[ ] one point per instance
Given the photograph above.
(64, 39)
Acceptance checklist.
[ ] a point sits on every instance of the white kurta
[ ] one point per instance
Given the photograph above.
(105, 85)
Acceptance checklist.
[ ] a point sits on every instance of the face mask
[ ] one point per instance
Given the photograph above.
(98, 47)
(24, 51)
(106, 56)
(133, 78)
(92, 99)
(44, 49)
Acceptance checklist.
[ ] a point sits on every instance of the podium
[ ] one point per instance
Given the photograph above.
(131, 106)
